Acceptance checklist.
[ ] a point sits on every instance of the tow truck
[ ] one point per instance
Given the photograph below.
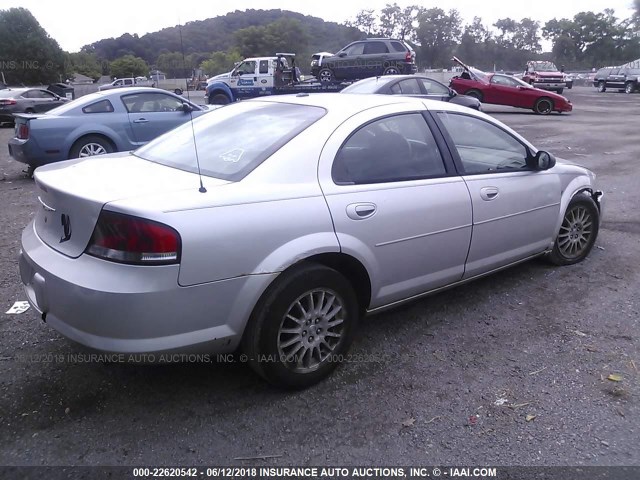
(259, 76)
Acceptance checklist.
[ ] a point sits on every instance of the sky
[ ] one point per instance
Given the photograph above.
(75, 23)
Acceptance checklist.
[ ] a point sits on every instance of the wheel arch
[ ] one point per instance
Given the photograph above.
(579, 186)
(102, 135)
(220, 88)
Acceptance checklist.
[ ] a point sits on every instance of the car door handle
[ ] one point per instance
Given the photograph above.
(489, 193)
(141, 120)
(360, 211)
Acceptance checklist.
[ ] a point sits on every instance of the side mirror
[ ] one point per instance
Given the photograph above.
(342, 54)
(452, 93)
(543, 160)
(186, 108)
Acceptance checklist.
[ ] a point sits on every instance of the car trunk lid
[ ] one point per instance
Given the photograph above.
(72, 194)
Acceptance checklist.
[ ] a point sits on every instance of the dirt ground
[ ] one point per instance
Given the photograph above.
(509, 370)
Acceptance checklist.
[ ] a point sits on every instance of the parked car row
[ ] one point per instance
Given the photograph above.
(360, 202)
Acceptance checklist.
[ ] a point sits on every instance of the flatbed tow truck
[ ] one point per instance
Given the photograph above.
(261, 76)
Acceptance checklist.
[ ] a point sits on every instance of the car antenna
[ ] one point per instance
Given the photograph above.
(193, 131)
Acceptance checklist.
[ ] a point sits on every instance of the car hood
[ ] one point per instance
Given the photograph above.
(71, 194)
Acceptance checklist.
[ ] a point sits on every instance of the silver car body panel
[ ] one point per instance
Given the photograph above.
(423, 235)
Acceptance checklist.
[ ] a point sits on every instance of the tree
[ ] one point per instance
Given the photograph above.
(399, 23)
(366, 21)
(85, 64)
(129, 66)
(438, 32)
(220, 62)
(278, 36)
(174, 65)
(27, 53)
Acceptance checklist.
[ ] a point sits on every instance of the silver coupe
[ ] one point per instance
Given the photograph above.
(273, 225)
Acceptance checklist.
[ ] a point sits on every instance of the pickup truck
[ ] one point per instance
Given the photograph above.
(255, 77)
(545, 75)
(126, 82)
(174, 85)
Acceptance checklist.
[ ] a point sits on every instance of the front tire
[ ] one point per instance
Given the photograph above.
(629, 87)
(219, 99)
(602, 86)
(543, 106)
(560, 90)
(302, 326)
(89, 146)
(578, 232)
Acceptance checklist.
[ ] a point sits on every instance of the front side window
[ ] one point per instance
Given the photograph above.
(233, 140)
(151, 102)
(504, 81)
(434, 88)
(355, 49)
(482, 146)
(392, 149)
(248, 67)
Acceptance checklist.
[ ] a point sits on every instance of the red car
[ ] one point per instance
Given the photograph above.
(502, 89)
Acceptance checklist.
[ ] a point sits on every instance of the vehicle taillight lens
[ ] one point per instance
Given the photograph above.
(127, 239)
(8, 101)
(23, 131)
(407, 57)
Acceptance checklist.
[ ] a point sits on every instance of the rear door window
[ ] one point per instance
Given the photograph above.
(392, 149)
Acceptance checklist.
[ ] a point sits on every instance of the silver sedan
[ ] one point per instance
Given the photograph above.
(273, 225)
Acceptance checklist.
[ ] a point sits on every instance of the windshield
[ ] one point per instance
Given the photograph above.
(521, 82)
(544, 67)
(232, 140)
(370, 85)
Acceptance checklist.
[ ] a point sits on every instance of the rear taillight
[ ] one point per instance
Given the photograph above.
(8, 101)
(23, 131)
(126, 239)
(408, 57)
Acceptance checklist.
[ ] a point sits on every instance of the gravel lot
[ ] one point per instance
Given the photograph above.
(463, 372)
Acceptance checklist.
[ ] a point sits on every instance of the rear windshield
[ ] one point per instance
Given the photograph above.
(370, 85)
(233, 140)
(10, 93)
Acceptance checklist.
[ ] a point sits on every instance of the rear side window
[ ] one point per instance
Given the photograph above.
(103, 106)
(264, 66)
(398, 47)
(231, 141)
(375, 48)
(392, 149)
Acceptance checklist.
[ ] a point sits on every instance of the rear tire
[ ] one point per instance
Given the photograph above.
(475, 94)
(302, 326)
(325, 75)
(602, 86)
(29, 110)
(178, 91)
(578, 232)
(391, 71)
(543, 106)
(90, 146)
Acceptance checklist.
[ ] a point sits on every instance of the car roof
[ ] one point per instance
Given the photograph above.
(348, 104)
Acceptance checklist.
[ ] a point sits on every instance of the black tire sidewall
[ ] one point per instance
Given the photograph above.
(219, 96)
(581, 199)
(475, 94)
(260, 344)
(541, 100)
(331, 78)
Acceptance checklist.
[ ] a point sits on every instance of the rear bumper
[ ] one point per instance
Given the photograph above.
(28, 151)
(549, 85)
(118, 308)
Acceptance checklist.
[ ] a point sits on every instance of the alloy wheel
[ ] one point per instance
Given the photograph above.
(311, 330)
(575, 232)
(91, 149)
